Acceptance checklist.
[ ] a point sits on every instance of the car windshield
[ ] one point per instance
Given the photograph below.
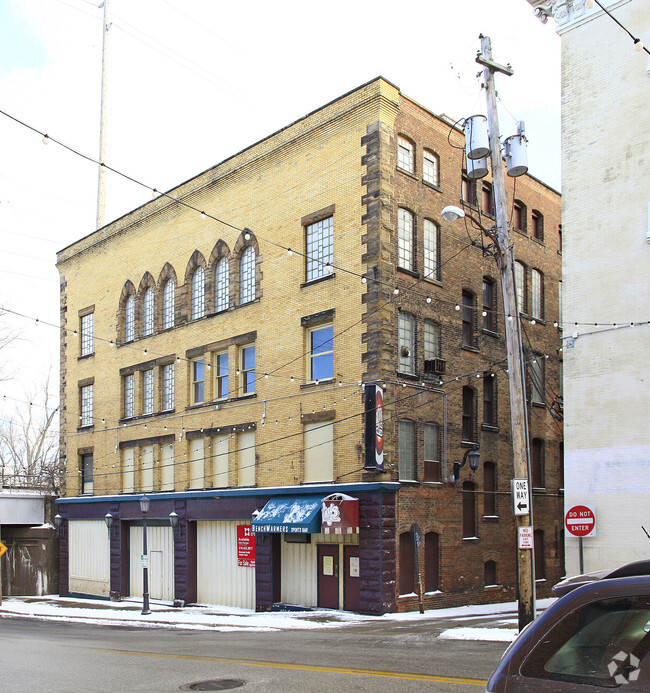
(602, 643)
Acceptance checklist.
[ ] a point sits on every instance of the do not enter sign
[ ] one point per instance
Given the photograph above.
(580, 521)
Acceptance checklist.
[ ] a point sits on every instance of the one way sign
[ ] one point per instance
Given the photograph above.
(520, 497)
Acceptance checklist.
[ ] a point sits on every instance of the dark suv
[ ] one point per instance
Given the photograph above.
(594, 638)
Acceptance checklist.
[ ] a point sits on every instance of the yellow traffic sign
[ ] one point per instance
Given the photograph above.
(3, 548)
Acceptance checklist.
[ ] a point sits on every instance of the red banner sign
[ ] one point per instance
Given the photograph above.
(245, 546)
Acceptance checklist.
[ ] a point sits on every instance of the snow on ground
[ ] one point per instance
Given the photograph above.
(214, 617)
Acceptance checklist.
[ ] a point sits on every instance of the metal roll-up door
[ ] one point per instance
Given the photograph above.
(88, 557)
(220, 580)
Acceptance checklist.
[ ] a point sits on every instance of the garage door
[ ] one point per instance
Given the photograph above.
(88, 557)
(220, 580)
(160, 549)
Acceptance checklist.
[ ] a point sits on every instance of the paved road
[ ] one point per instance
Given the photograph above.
(61, 657)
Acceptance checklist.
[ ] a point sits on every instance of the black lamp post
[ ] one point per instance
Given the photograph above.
(473, 455)
(173, 521)
(144, 506)
(60, 527)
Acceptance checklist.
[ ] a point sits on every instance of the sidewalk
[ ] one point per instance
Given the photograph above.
(500, 620)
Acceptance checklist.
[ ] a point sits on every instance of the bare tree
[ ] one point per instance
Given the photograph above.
(7, 338)
(29, 447)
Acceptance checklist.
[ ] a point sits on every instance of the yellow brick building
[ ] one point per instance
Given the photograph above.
(218, 347)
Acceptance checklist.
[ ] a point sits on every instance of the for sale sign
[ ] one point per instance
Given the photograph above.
(245, 546)
(580, 521)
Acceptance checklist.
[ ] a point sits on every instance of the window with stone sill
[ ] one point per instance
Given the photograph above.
(147, 391)
(87, 327)
(86, 394)
(405, 343)
(247, 369)
(319, 249)
(168, 387)
(406, 450)
(431, 250)
(128, 386)
(197, 385)
(220, 367)
(321, 353)
(405, 239)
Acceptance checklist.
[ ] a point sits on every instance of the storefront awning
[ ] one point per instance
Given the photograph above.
(290, 515)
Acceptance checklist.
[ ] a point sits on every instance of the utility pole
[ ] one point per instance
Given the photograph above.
(505, 260)
(101, 181)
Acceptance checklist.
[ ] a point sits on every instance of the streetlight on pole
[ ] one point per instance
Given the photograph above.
(144, 506)
(505, 261)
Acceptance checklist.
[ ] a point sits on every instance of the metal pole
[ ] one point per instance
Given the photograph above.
(145, 568)
(518, 420)
(101, 180)
(582, 556)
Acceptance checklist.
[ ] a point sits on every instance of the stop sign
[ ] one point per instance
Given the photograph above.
(580, 521)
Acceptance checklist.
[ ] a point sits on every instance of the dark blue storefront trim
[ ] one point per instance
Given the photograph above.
(376, 534)
(269, 491)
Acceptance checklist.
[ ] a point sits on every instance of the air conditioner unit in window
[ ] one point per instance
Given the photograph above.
(436, 366)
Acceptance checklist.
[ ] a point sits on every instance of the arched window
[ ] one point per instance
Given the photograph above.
(168, 304)
(431, 562)
(247, 275)
(198, 293)
(147, 312)
(129, 318)
(469, 509)
(406, 563)
(221, 285)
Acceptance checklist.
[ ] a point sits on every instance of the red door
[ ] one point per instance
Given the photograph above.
(351, 578)
(328, 576)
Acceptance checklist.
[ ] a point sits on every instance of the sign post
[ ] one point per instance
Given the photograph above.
(580, 521)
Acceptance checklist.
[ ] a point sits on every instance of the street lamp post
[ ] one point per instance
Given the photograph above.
(144, 506)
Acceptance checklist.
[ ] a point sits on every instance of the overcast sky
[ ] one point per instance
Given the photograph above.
(191, 82)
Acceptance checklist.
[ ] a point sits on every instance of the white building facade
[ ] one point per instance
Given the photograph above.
(606, 275)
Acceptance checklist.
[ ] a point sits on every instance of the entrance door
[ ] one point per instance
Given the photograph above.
(328, 576)
(351, 578)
